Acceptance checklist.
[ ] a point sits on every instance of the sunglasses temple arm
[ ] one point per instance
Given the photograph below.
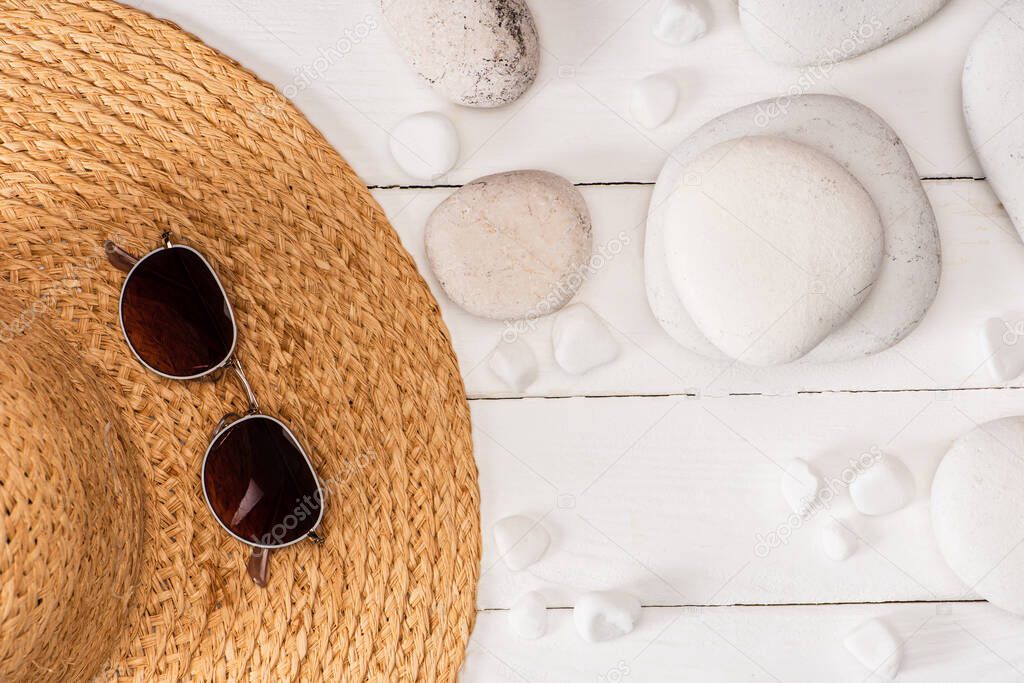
(258, 566)
(118, 257)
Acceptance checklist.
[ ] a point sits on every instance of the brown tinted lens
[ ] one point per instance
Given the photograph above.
(175, 314)
(259, 484)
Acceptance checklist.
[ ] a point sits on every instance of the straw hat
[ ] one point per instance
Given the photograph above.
(116, 125)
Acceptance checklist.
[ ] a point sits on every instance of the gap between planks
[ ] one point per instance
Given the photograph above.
(770, 605)
(629, 183)
(803, 392)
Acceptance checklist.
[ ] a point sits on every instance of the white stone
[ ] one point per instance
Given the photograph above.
(511, 246)
(479, 54)
(605, 615)
(515, 364)
(884, 487)
(837, 541)
(581, 340)
(773, 249)
(855, 137)
(978, 511)
(993, 94)
(653, 100)
(805, 32)
(874, 645)
(679, 22)
(1003, 345)
(800, 485)
(520, 541)
(528, 617)
(425, 145)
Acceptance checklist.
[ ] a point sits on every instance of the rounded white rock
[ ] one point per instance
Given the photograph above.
(528, 617)
(875, 646)
(978, 511)
(425, 145)
(680, 21)
(883, 488)
(993, 96)
(837, 541)
(771, 246)
(653, 100)
(581, 340)
(479, 54)
(605, 615)
(520, 541)
(806, 32)
(514, 363)
(871, 151)
(800, 485)
(511, 246)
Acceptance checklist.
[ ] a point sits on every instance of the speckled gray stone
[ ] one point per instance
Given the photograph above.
(478, 53)
(805, 32)
(871, 151)
(993, 85)
(511, 246)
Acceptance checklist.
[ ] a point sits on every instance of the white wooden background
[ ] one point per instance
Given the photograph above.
(657, 474)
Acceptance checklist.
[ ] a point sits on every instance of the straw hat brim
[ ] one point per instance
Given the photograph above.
(116, 125)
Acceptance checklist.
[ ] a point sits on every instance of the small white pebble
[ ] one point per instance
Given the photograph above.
(528, 617)
(874, 645)
(653, 100)
(581, 340)
(884, 487)
(514, 363)
(605, 615)
(680, 22)
(800, 485)
(425, 145)
(1003, 346)
(520, 541)
(837, 541)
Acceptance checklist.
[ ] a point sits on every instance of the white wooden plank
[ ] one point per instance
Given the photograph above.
(336, 60)
(983, 276)
(671, 497)
(943, 643)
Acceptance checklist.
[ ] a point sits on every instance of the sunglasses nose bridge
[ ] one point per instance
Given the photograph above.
(250, 395)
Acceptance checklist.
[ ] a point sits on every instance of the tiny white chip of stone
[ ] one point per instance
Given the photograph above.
(581, 340)
(514, 363)
(653, 100)
(425, 145)
(680, 21)
(800, 485)
(1003, 345)
(874, 645)
(605, 615)
(520, 541)
(837, 541)
(528, 617)
(884, 487)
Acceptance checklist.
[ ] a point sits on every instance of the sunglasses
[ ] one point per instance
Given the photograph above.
(257, 480)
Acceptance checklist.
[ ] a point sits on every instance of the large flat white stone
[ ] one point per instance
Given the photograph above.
(872, 153)
(804, 32)
(978, 511)
(993, 87)
(774, 248)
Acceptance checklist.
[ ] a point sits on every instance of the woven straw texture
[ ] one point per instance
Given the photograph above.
(62, 462)
(114, 124)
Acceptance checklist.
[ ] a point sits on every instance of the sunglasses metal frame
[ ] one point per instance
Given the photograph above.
(319, 489)
(231, 312)
(257, 566)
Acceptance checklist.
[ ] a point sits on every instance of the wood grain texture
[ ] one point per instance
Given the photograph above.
(335, 59)
(983, 275)
(665, 496)
(943, 643)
